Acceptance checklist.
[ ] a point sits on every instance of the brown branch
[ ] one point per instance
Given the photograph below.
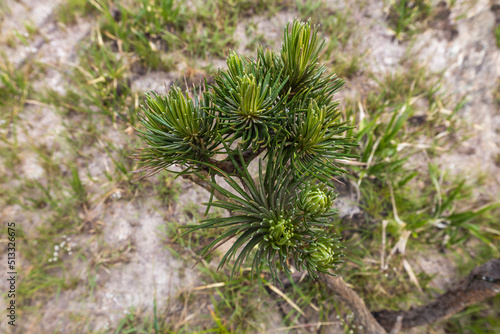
(397, 326)
(363, 315)
(228, 167)
(206, 185)
(482, 282)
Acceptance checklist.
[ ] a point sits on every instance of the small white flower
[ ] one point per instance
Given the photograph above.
(50, 260)
(56, 247)
(69, 253)
(117, 195)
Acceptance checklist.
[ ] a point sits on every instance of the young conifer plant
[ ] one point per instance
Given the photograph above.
(277, 107)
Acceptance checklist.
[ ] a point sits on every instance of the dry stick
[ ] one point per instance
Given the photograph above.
(482, 282)
(397, 325)
(363, 315)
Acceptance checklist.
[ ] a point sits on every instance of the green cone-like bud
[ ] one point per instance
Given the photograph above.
(176, 129)
(280, 232)
(315, 200)
(322, 255)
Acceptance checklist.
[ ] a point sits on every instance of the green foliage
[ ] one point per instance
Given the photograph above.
(14, 90)
(300, 57)
(69, 10)
(245, 97)
(62, 198)
(389, 120)
(178, 129)
(236, 310)
(404, 15)
(278, 104)
(300, 53)
(497, 35)
(316, 135)
(390, 124)
(270, 218)
(101, 85)
(496, 95)
(146, 27)
(135, 322)
(339, 26)
(149, 28)
(315, 200)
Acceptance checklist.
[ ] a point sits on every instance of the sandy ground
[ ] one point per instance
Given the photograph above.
(460, 43)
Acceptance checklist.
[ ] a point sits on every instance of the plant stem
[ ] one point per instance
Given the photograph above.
(363, 315)
(482, 282)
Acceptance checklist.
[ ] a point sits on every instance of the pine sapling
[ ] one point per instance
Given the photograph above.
(279, 108)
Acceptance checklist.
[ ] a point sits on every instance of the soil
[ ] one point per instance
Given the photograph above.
(459, 41)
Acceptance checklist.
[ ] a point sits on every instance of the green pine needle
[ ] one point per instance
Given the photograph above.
(177, 129)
